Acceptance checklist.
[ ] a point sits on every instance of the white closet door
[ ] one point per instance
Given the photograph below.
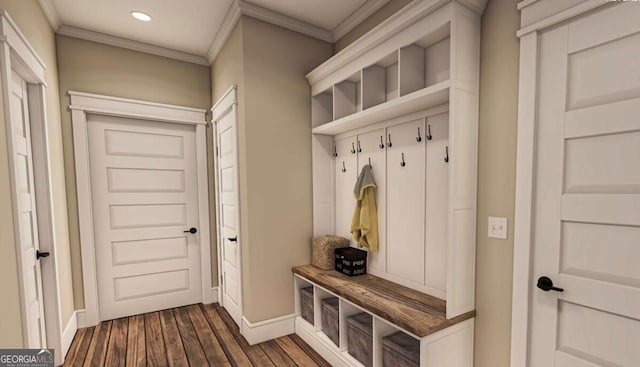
(437, 178)
(346, 175)
(370, 150)
(24, 186)
(406, 202)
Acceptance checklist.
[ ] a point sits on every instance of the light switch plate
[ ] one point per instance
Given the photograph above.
(498, 228)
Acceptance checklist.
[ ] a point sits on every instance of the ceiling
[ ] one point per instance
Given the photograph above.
(196, 29)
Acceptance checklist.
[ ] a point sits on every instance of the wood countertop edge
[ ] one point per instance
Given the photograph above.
(420, 331)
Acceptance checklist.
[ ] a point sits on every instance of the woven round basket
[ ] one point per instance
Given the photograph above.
(322, 254)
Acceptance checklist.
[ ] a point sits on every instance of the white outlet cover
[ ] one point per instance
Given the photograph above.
(498, 228)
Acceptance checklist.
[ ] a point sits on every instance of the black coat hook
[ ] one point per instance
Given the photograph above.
(370, 166)
(359, 149)
(403, 163)
(381, 142)
(389, 144)
(353, 148)
(446, 157)
(344, 169)
(419, 137)
(429, 136)
(335, 151)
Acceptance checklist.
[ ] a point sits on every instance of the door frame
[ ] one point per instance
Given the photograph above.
(83, 104)
(529, 36)
(17, 55)
(229, 100)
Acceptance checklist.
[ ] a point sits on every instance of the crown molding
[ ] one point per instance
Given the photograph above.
(230, 20)
(51, 13)
(106, 39)
(285, 21)
(357, 17)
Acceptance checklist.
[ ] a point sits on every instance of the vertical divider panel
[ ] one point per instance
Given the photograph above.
(381, 329)
(411, 63)
(437, 187)
(346, 166)
(323, 184)
(346, 310)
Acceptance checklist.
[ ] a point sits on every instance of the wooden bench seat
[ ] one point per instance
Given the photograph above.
(416, 312)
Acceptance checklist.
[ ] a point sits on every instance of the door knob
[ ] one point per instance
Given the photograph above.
(192, 230)
(233, 239)
(41, 254)
(546, 284)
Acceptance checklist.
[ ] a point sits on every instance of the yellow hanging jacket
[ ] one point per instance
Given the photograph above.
(364, 224)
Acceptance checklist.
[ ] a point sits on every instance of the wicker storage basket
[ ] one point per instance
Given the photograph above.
(323, 256)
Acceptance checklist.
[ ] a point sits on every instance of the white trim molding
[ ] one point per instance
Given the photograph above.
(86, 103)
(50, 11)
(230, 20)
(362, 13)
(68, 334)
(262, 331)
(106, 39)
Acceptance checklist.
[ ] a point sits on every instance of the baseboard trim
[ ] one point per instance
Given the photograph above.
(213, 296)
(262, 331)
(68, 334)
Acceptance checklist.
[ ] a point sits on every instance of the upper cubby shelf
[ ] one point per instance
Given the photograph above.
(419, 100)
(408, 79)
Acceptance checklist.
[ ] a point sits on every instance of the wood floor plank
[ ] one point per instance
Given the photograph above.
(154, 341)
(195, 353)
(256, 354)
(136, 355)
(317, 358)
(176, 355)
(277, 355)
(212, 348)
(233, 350)
(117, 348)
(79, 345)
(98, 346)
(195, 335)
(297, 355)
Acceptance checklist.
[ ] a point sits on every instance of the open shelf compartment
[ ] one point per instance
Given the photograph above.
(425, 62)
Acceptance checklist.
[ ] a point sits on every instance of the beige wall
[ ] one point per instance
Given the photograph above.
(496, 171)
(32, 22)
(274, 156)
(278, 168)
(376, 18)
(496, 180)
(96, 68)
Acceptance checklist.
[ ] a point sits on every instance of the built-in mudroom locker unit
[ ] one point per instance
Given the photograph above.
(404, 100)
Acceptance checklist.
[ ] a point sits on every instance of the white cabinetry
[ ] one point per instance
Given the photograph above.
(404, 97)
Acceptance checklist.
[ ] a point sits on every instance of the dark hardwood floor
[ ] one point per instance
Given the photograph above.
(196, 335)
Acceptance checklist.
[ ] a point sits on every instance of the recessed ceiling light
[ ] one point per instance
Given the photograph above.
(141, 16)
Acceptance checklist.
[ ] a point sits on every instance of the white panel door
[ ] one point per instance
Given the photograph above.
(229, 214)
(586, 234)
(27, 223)
(346, 174)
(371, 149)
(406, 203)
(144, 198)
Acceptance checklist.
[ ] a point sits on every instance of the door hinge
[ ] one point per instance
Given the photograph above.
(217, 152)
(221, 279)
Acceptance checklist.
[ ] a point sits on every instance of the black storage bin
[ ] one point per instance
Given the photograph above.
(351, 261)
(306, 304)
(330, 319)
(360, 338)
(400, 350)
